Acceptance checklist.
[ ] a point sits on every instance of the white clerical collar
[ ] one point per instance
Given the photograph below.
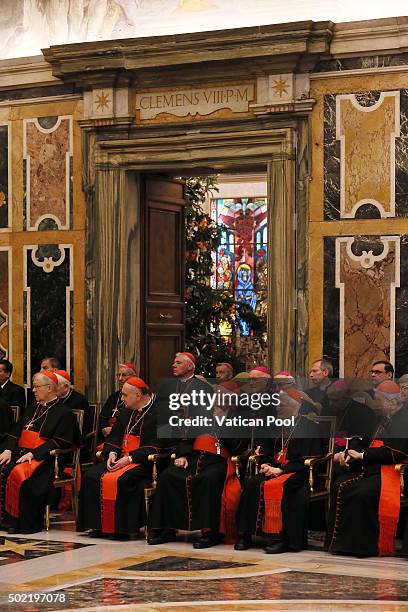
(5, 383)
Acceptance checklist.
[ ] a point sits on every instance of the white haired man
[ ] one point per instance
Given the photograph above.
(26, 467)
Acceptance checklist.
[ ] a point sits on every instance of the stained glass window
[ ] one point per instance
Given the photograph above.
(240, 264)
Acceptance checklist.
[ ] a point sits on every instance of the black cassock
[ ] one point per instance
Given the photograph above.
(57, 427)
(190, 499)
(356, 419)
(292, 492)
(126, 512)
(77, 401)
(405, 537)
(109, 413)
(361, 520)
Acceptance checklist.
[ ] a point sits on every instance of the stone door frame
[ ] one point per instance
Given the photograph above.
(112, 187)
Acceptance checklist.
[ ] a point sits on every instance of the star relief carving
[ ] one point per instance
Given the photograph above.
(281, 87)
(102, 101)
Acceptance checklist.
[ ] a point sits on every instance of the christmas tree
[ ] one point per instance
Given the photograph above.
(208, 309)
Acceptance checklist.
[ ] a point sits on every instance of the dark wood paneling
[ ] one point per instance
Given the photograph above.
(163, 283)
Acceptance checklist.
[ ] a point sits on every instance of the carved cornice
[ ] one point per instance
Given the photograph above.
(236, 53)
(370, 37)
(25, 71)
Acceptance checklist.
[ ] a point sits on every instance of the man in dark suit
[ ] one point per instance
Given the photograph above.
(320, 374)
(12, 394)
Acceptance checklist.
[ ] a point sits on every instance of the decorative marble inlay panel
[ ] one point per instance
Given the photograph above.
(401, 314)
(367, 273)
(331, 305)
(13, 550)
(177, 564)
(48, 287)
(367, 152)
(5, 292)
(366, 155)
(5, 176)
(47, 147)
(108, 592)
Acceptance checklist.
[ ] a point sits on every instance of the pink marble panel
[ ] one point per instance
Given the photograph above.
(47, 179)
(367, 305)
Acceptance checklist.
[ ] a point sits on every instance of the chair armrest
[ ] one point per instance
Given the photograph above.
(153, 458)
(57, 452)
(89, 435)
(311, 461)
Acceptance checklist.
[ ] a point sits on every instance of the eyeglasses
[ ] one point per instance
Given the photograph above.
(377, 372)
(38, 386)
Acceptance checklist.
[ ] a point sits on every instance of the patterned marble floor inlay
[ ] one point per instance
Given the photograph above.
(176, 564)
(291, 585)
(13, 550)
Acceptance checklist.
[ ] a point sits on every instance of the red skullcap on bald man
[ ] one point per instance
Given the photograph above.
(50, 375)
(389, 387)
(189, 356)
(62, 376)
(129, 366)
(261, 369)
(135, 381)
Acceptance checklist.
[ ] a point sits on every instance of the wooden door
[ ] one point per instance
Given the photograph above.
(163, 279)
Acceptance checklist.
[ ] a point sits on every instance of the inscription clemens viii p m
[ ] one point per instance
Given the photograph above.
(195, 101)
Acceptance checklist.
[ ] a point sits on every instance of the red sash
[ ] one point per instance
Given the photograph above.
(389, 506)
(21, 472)
(232, 487)
(109, 485)
(273, 494)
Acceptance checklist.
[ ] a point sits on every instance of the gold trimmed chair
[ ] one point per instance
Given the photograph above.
(321, 468)
(149, 490)
(61, 479)
(401, 467)
(16, 412)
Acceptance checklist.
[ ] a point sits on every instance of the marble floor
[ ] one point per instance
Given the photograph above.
(61, 570)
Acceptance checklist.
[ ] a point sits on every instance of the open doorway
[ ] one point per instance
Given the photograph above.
(206, 269)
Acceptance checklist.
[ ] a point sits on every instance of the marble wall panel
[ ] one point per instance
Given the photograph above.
(366, 154)
(48, 318)
(401, 311)
(385, 324)
(47, 150)
(364, 305)
(4, 302)
(331, 305)
(5, 187)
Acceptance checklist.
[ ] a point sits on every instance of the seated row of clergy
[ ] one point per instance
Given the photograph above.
(185, 496)
(200, 490)
(12, 394)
